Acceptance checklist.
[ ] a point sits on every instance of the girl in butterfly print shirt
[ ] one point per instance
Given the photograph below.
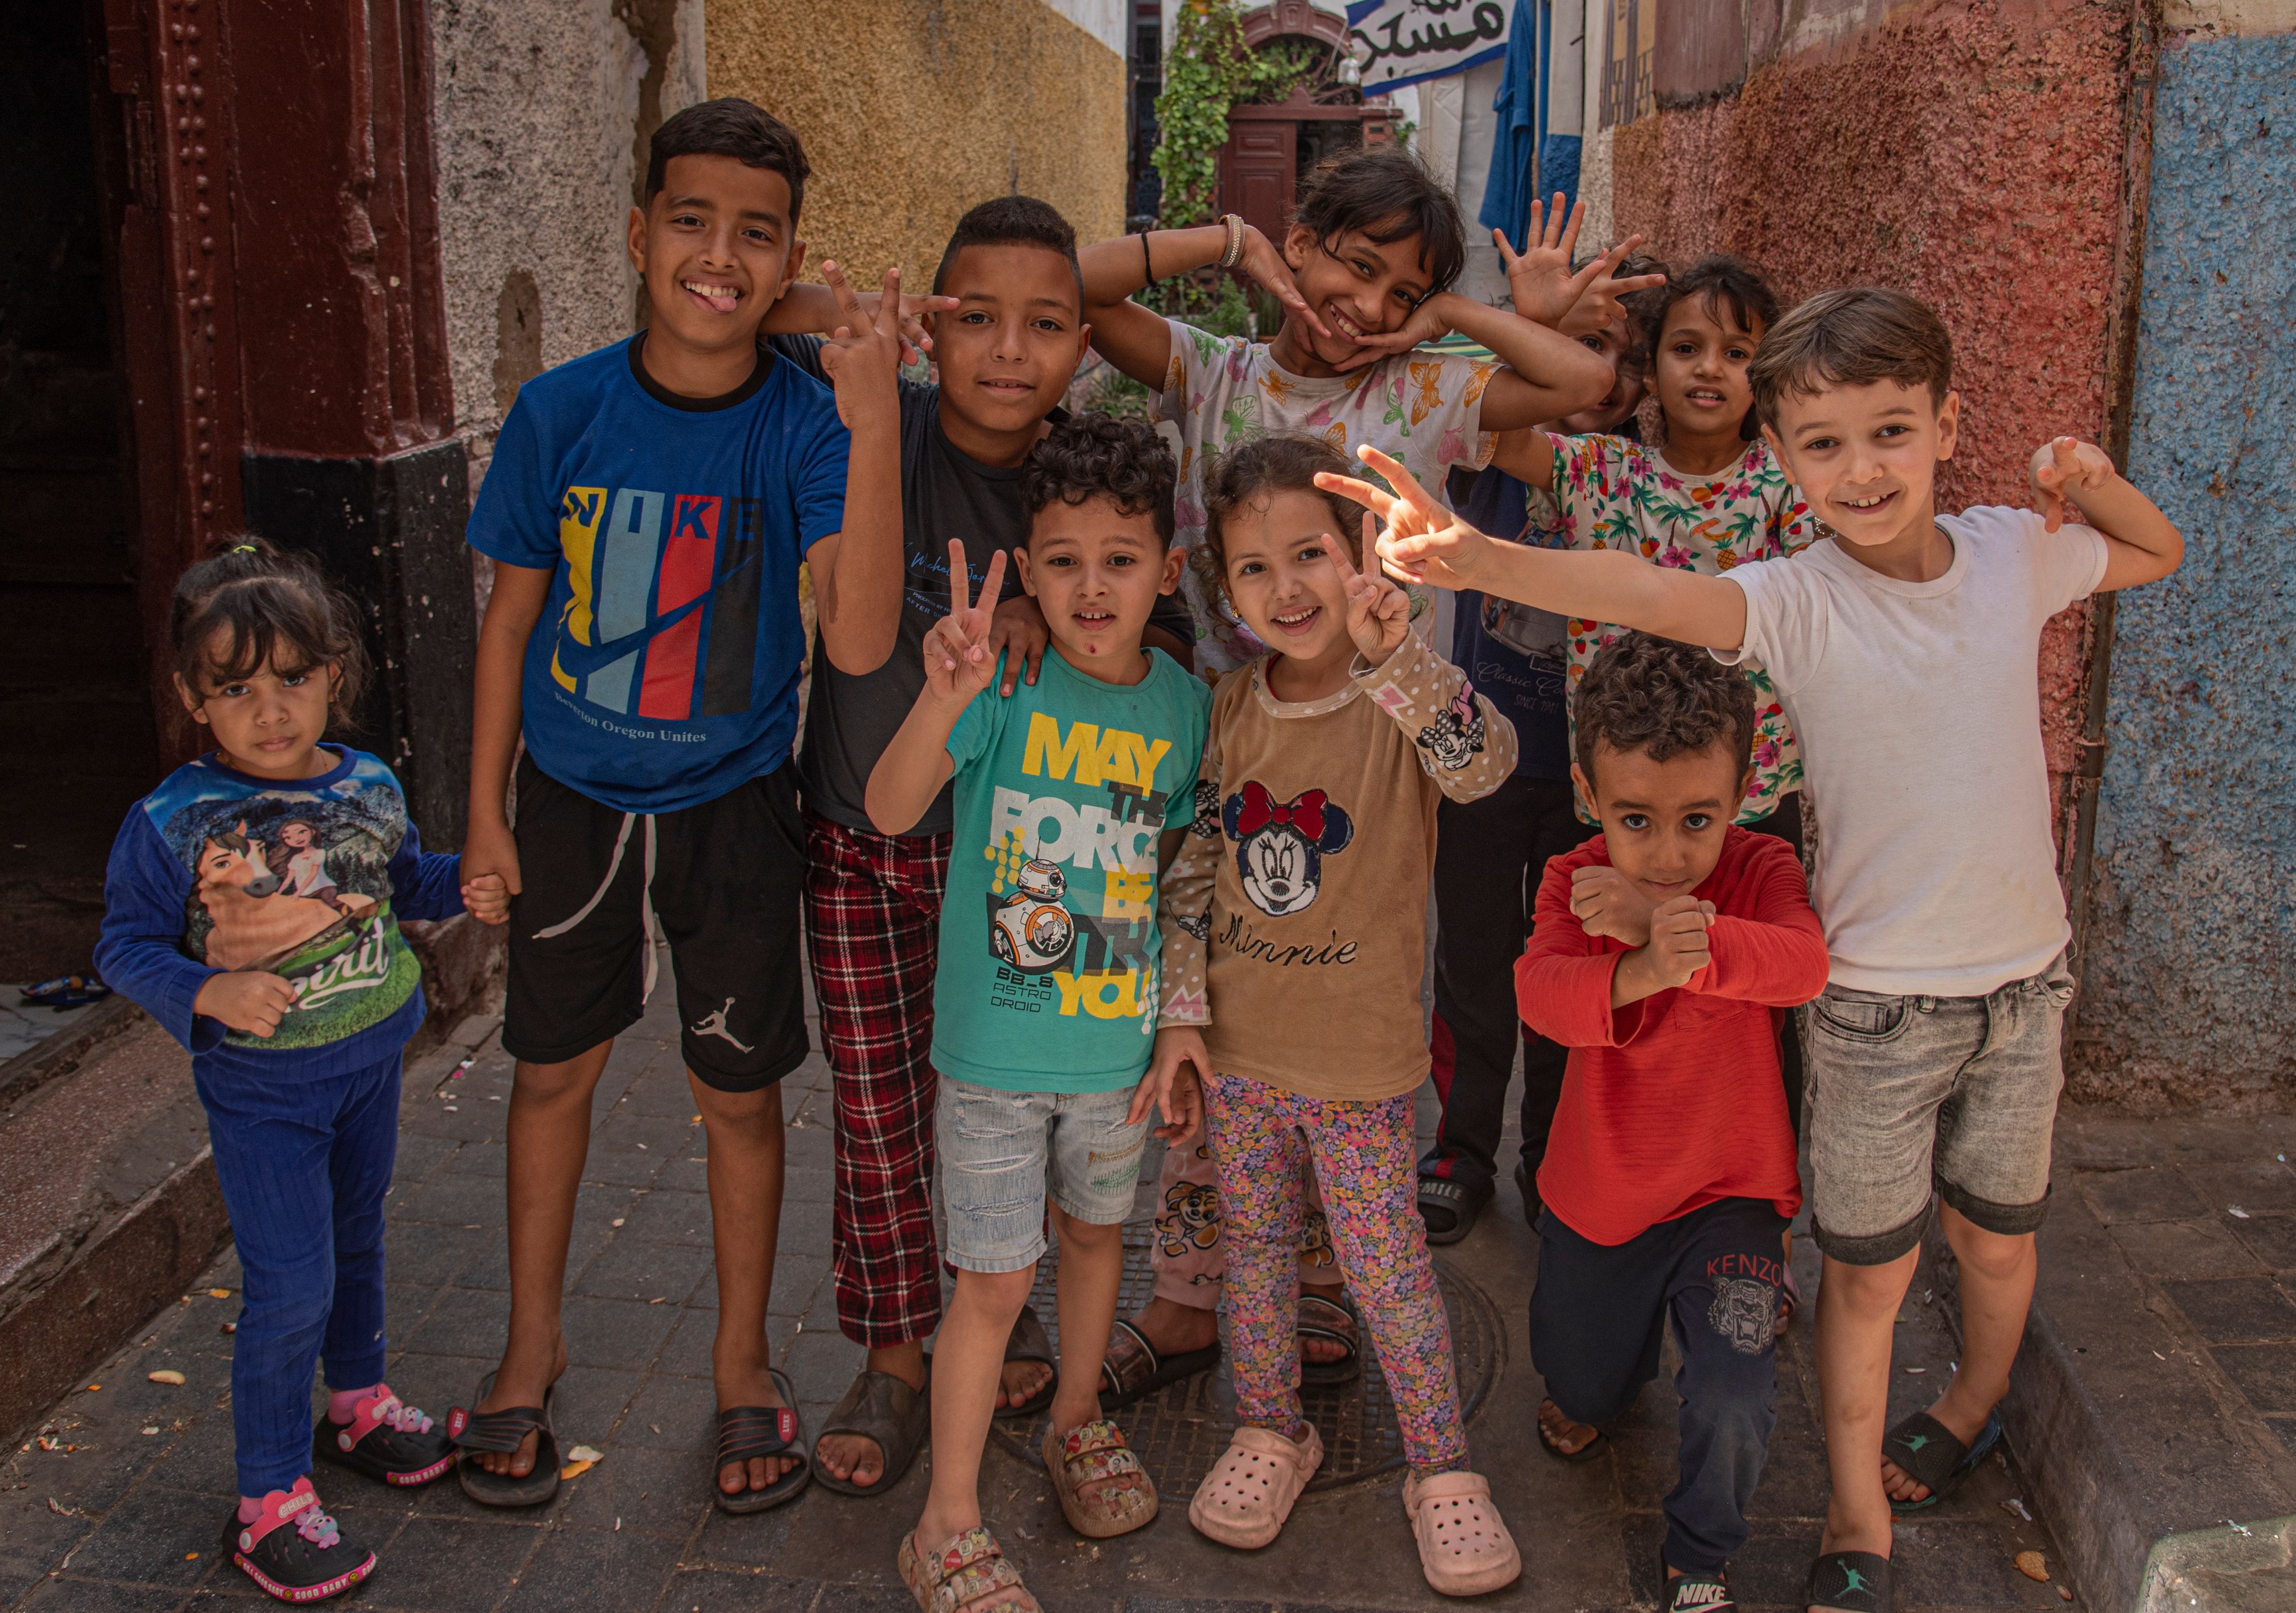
(1294, 943)
(1708, 500)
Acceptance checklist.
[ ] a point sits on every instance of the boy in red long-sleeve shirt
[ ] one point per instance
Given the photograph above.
(1666, 949)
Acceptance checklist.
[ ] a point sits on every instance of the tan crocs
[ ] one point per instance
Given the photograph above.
(1103, 1487)
(1464, 1549)
(1245, 1498)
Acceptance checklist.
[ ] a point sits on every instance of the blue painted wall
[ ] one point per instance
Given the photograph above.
(2190, 979)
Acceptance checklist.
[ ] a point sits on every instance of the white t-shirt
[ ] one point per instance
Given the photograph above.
(1918, 705)
(1423, 408)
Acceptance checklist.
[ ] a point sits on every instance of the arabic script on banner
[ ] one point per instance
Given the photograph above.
(1400, 42)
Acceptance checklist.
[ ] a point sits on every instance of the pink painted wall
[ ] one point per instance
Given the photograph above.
(1969, 153)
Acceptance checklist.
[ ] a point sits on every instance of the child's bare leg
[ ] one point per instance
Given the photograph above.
(548, 1143)
(745, 1215)
(1997, 1290)
(1092, 1269)
(967, 1360)
(1857, 1325)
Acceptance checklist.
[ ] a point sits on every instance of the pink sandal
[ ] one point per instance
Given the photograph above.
(1245, 1498)
(1464, 1549)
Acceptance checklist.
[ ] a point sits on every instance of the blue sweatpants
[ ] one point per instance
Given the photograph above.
(304, 1165)
(1596, 1315)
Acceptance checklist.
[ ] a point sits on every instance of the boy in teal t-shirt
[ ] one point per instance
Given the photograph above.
(1044, 1004)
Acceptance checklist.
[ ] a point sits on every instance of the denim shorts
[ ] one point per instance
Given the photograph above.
(1003, 1154)
(1907, 1094)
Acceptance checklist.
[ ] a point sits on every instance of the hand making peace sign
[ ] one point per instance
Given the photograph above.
(960, 662)
(863, 356)
(1378, 613)
(1422, 542)
(1544, 287)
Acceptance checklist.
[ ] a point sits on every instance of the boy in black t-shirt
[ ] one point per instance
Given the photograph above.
(1008, 335)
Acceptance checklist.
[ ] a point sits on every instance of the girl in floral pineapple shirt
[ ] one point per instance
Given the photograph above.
(1707, 499)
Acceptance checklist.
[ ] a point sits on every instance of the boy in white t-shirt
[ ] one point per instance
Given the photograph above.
(1905, 647)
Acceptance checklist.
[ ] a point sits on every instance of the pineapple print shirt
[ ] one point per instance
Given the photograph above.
(1423, 408)
(1611, 493)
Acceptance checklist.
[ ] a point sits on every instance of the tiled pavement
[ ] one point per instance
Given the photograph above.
(124, 1512)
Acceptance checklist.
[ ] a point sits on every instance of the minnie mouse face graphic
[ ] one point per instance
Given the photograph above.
(1281, 844)
(1456, 733)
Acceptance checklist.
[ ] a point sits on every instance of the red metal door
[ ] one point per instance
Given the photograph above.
(1260, 173)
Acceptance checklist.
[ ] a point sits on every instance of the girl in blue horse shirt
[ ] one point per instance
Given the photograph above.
(296, 1007)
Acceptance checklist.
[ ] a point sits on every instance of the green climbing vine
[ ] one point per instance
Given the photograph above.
(1208, 69)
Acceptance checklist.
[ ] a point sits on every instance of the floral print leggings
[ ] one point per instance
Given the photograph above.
(1364, 1158)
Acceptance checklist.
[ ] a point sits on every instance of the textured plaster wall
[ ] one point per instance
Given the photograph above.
(2190, 989)
(1969, 153)
(537, 109)
(913, 111)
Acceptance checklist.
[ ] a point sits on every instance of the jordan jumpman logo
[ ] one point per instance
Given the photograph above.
(713, 1024)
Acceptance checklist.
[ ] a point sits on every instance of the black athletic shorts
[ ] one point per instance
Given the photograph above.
(721, 881)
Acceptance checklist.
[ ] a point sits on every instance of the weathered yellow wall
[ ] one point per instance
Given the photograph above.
(913, 111)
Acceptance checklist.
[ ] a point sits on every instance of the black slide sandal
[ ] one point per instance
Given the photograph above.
(747, 1431)
(1851, 1581)
(1931, 1454)
(1453, 1204)
(880, 1407)
(1135, 1371)
(503, 1431)
(1028, 1341)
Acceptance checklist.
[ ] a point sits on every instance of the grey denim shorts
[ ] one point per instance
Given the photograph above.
(1003, 1154)
(1908, 1092)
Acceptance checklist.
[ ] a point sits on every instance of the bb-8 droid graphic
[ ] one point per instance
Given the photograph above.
(1032, 930)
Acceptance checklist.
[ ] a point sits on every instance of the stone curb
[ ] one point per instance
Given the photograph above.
(62, 1052)
(111, 1288)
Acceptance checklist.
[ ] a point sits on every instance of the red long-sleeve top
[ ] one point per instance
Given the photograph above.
(1673, 1102)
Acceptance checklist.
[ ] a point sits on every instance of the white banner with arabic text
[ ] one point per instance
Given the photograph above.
(1400, 42)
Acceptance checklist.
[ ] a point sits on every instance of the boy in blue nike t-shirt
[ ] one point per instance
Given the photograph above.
(646, 510)
(1068, 797)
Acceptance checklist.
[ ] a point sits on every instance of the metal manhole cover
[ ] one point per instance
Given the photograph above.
(1181, 1430)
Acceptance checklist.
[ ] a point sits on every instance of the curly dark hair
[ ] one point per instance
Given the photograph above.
(1099, 457)
(249, 605)
(1271, 464)
(1662, 698)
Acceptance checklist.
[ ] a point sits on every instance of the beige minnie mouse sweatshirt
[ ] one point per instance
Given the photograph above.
(1295, 917)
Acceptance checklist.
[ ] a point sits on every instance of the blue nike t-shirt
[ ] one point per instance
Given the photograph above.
(663, 672)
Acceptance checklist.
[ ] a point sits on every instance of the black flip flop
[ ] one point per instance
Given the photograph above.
(1144, 1371)
(1028, 1341)
(1929, 1452)
(1851, 1581)
(1459, 1205)
(881, 1408)
(1584, 1452)
(1338, 1321)
(503, 1431)
(748, 1431)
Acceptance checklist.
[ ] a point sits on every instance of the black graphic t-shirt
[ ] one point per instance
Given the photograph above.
(945, 494)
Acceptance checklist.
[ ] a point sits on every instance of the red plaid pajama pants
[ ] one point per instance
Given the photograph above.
(872, 929)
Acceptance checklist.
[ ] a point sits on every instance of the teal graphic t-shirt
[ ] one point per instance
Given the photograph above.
(1048, 941)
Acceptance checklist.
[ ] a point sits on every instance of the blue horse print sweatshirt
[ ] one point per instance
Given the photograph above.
(306, 878)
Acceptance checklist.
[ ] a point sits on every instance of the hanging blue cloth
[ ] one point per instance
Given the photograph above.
(1515, 149)
(1558, 154)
